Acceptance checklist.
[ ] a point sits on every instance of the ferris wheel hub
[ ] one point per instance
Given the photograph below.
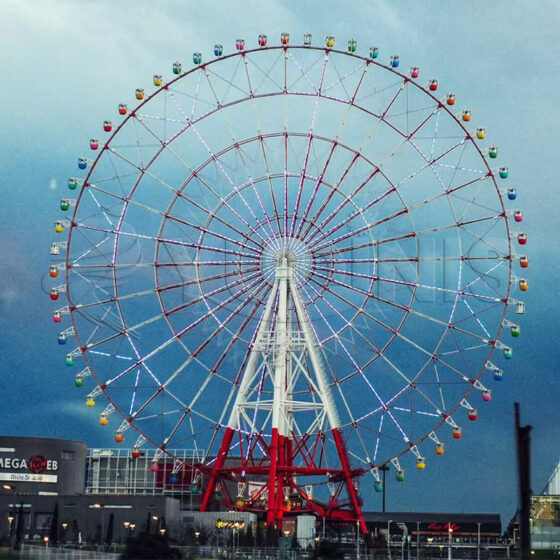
(288, 253)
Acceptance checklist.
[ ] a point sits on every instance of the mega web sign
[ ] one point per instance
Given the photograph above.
(35, 469)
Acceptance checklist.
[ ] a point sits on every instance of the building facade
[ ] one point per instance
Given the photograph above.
(41, 476)
(545, 522)
(42, 465)
(88, 494)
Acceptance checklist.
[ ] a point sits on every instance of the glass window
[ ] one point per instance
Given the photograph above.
(43, 520)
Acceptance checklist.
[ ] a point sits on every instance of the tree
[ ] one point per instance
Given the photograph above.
(75, 531)
(19, 530)
(53, 533)
(260, 537)
(149, 547)
(295, 542)
(97, 537)
(110, 527)
(249, 536)
(271, 536)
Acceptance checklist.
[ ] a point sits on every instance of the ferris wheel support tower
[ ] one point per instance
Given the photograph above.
(278, 355)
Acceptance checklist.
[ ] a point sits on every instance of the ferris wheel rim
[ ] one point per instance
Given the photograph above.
(249, 51)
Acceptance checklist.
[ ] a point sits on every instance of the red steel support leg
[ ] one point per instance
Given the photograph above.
(220, 460)
(279, 507)
(273, 452)
(345, 464)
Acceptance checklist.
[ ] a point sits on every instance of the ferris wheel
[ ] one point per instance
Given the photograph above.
(297, 260)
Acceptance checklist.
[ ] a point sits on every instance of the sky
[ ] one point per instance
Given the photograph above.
(66, 64)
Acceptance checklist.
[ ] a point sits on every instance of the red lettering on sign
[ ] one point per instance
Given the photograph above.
(443, 527)
(37, 464)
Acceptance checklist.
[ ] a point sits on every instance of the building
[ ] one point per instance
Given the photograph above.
(41, 475)
(545, 515)
(545, 522)
(435, 528)
(142, 472)
(42, 466)
(124, 491)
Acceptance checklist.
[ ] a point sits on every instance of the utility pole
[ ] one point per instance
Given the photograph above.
(523, 434)
(384, 468)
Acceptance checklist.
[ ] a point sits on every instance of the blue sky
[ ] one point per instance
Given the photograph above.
(67, 64)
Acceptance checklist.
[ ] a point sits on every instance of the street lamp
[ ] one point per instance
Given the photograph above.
(286, 537)
(450, 530)
(12, 489)
(358, 540)
(384, 468)
(64, 527)
(389, 537)
(126, 526)
(11, 525)
(417, 540)
(478, 543)
(157, 523)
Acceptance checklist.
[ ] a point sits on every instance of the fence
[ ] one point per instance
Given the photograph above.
(241, 553)
(395, 553)
(38, 552)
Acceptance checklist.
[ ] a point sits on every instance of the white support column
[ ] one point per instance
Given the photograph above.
(325, 393)
(252, 362)
(283, 274)
(287, 348)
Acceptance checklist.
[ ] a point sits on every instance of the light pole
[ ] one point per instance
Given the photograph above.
(358, 540)
(384, 469)
(418, 540)
(450, 531)
(389, 538)
(12, 490)
(478, 543)
(126, 526)
(11, 525)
